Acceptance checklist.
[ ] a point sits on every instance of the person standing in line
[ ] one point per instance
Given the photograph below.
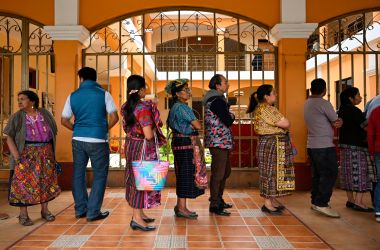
(274, 151)
(219, 139)
(371, 105)
(184, 126)
(373, 135)
(33, 178)
(89, 105)
(320, 119)
(142, 126)
(357, 171)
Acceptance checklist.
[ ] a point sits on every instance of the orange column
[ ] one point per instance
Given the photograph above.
(68, 60)
(292, 94)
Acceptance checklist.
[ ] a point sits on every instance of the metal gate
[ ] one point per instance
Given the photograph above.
(345, 52)
(163, 45)
(26, 62)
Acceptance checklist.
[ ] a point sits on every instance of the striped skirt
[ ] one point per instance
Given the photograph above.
(274, 157)
(139, 199)
(356, 169)
(185, 168)
(34, 180)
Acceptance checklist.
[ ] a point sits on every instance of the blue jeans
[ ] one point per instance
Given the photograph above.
(324, 171)
(377, 190)
(98, 153)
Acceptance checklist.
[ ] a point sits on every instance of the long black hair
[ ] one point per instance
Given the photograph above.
(258, 96)
(346, 94)
(134, 84)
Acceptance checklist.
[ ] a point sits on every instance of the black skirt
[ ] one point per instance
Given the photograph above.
(184, 168)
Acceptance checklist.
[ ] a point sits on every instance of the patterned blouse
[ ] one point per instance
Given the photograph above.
(265, 118)
(180, 118)
(37, 129)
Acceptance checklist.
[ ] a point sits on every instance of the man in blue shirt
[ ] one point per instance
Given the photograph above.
(89, 105)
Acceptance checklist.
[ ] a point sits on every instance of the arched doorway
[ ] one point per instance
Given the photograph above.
(26, 62)
(345, 52)
(163, 45)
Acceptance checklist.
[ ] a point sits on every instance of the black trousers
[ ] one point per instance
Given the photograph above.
(324, 173)
(220, 171)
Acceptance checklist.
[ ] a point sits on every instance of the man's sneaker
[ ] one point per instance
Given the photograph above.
(377, 217)
(326, 211)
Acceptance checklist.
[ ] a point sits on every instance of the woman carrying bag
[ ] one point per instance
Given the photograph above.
(190, 168)
(141, 122)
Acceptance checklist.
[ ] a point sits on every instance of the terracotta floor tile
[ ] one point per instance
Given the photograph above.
(264, 221)
(27, 243)
(233, 230)
(285, 220)
(64, 219)
(118, 219)
(95, 244)
(204, 244)
(239, 245)
(105, 238)
(271, 231)
(257, 230)
(139, 238)
(51, 229)
(179, 230)
(202, 230)
(229, 220)
(167, 220)
(237, 238)
(88, 229)
(75, 229)
(251, 221)
(202, 220)
(111, 230)
(165, 230)
(137, 244)
(202, 238)
(294, 231)
(28, 248)
(41, 237)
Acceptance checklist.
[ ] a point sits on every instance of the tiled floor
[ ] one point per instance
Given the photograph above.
(247, 227)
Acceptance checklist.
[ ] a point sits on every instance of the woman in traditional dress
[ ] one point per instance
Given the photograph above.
(274, 150)
(31, 133)
(141, 121)
(190, 168)
(357, 170)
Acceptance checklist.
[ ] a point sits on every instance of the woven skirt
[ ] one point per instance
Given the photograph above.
(34, 180)
(356, 169)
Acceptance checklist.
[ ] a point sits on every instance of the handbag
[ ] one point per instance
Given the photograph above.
(150, 175)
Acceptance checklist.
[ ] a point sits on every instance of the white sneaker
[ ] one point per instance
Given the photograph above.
(326, 211)
(377, 217)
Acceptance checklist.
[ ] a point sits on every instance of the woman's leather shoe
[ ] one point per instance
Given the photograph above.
(274, 212)
(148, 220)
(350, 204)
(219, 211)
(280, 207)
(187, 216)
(362, 209)
(135, 226)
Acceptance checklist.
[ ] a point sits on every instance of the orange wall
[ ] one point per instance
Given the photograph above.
(94, 12)
(321, 10)
(38, 10)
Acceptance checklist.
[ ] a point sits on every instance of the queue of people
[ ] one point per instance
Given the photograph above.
(31, 135)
